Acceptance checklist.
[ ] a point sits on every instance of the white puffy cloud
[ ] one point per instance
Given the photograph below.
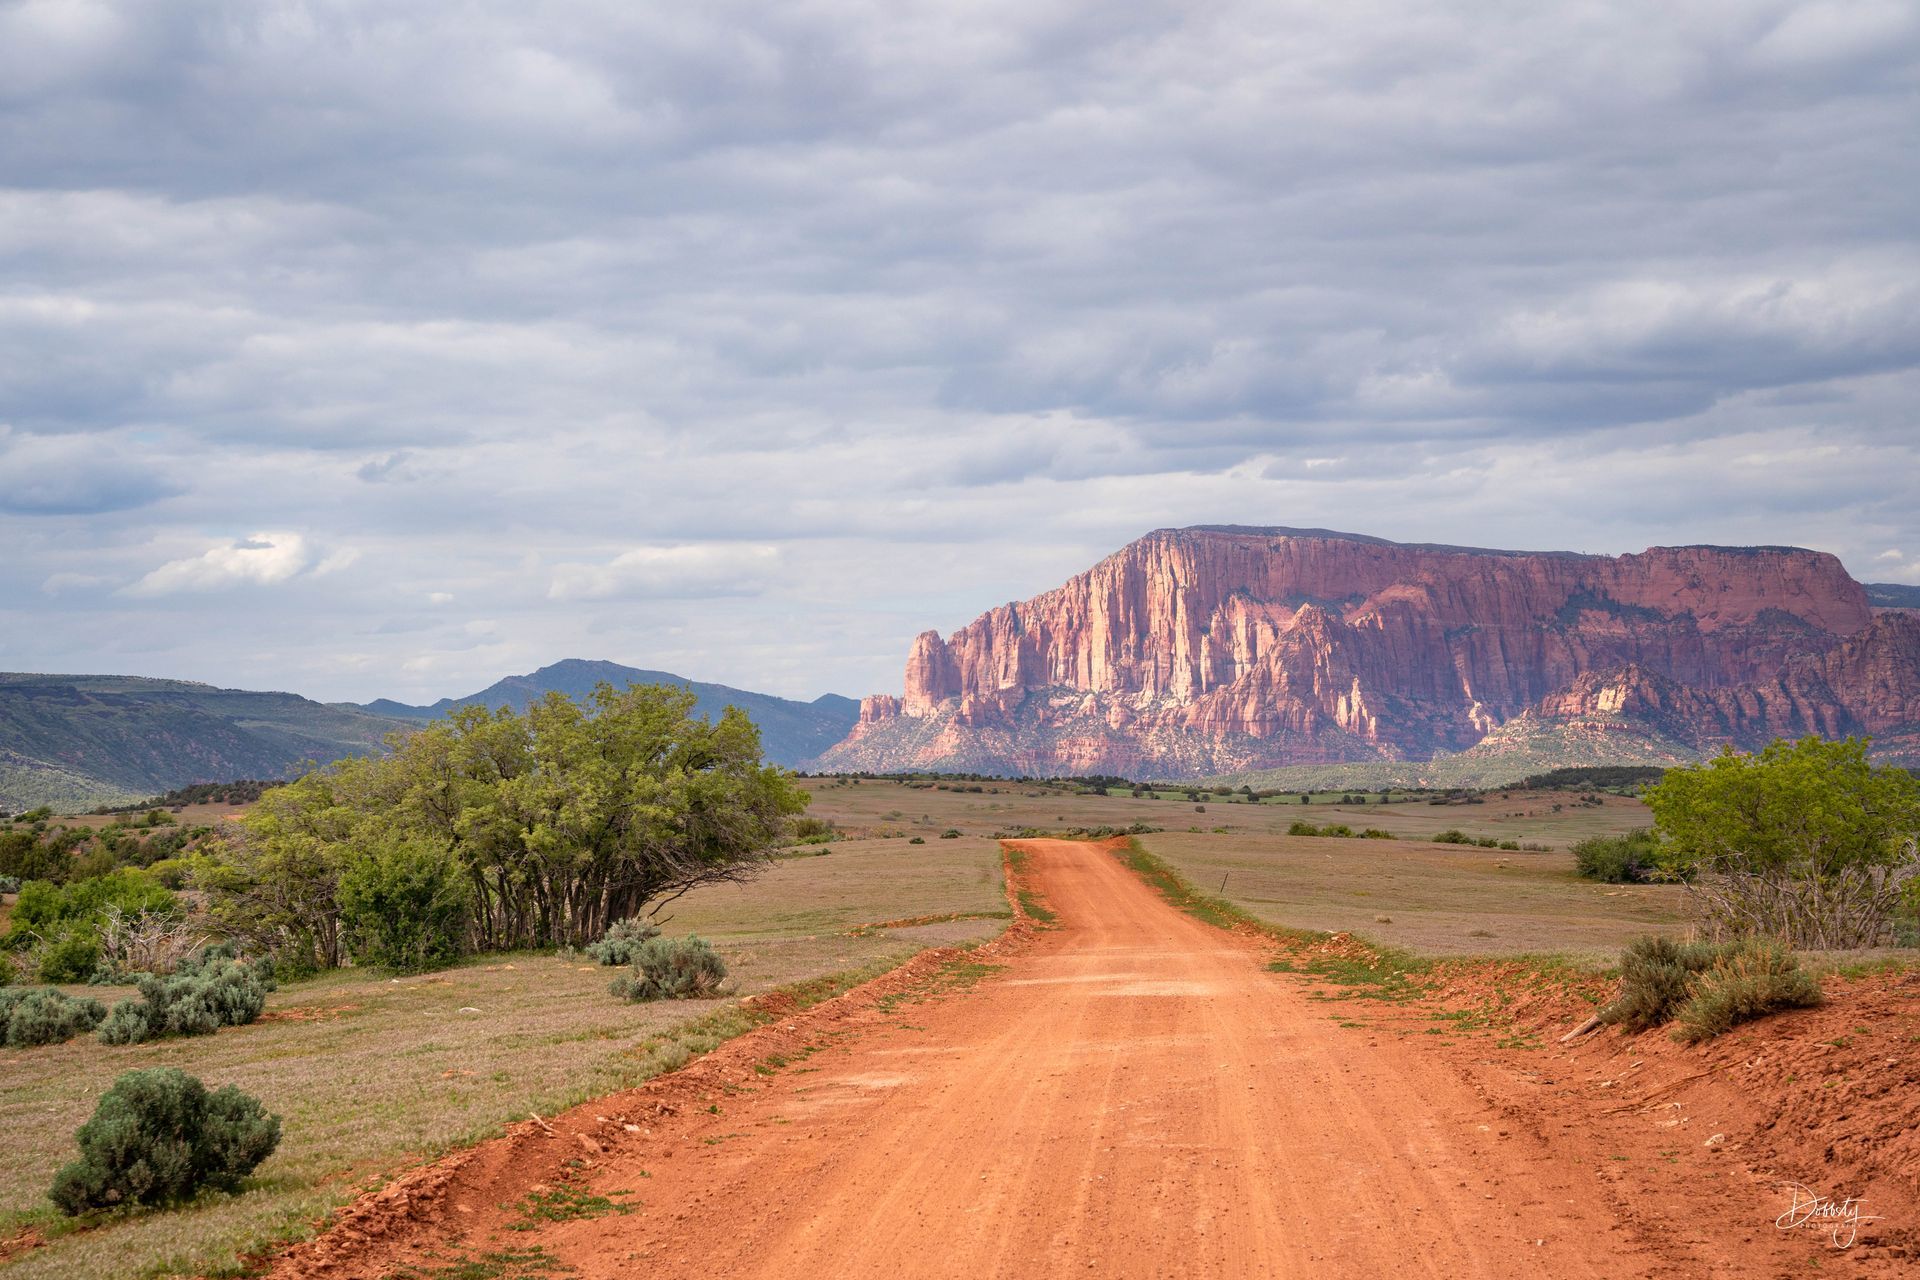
(261, 559)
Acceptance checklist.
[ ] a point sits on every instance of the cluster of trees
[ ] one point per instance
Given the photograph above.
(239, 791)
(1624, 779)
(1807, 842)
(486, 831)
(501, 830)
(60, 854)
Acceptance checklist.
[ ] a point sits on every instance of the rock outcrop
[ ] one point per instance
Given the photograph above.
(1213, 650)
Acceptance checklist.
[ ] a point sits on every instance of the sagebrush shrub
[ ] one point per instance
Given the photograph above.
(41, 1015)
(159, 1137)
(211, 990)
(622, 940)
(1656, 977)
(1755, 979)
(1707, 987)
(672, 969)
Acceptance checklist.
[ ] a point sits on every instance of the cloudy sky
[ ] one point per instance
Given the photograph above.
(366, 349)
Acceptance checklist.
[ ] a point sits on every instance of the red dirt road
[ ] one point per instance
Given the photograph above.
(1131, 1094)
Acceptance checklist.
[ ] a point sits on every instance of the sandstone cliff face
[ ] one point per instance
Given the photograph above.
(1217, 649)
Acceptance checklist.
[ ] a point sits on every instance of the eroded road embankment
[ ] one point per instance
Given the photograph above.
(1130, 1093)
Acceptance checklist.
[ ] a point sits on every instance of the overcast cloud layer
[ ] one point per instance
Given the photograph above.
(367, 349)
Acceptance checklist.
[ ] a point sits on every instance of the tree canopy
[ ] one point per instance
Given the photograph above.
(1807, 841)
(558, 821)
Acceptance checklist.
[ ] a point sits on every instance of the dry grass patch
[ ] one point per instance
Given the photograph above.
(842, 886)
(872, 808)
(1437, 900)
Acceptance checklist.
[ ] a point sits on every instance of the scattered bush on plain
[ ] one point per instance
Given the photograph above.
(60, 924)
(212, 990)
(1757, 977)
(40, 1015)
(1656, 975)
(71, 956)
(159, 1137)
(1337, 829)
(145, 942)
(1707, 987)
(813, 830)
(622, 942)
(1906, 918)
(672, 969)
(1625, 859)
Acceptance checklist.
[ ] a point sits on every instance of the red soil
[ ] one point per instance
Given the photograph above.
(1132, 1094)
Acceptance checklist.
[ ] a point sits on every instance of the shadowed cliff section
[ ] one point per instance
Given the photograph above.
(1225, 649)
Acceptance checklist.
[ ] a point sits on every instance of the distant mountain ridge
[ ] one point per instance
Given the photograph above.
(1236, 650)
(77, 741)
(792, 733)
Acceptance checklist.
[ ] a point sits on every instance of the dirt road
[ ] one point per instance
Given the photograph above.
(1130, 1094)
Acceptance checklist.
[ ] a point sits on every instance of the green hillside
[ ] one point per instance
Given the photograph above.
(78, 741)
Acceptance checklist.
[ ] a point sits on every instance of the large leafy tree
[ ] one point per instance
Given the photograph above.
(1805, 841)
(562, 820)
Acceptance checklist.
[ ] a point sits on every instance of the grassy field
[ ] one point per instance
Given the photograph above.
(1555, 818)
(1432, 899)
(192, 815)
(1438, 899)
(832, 888)
(371, 1072)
